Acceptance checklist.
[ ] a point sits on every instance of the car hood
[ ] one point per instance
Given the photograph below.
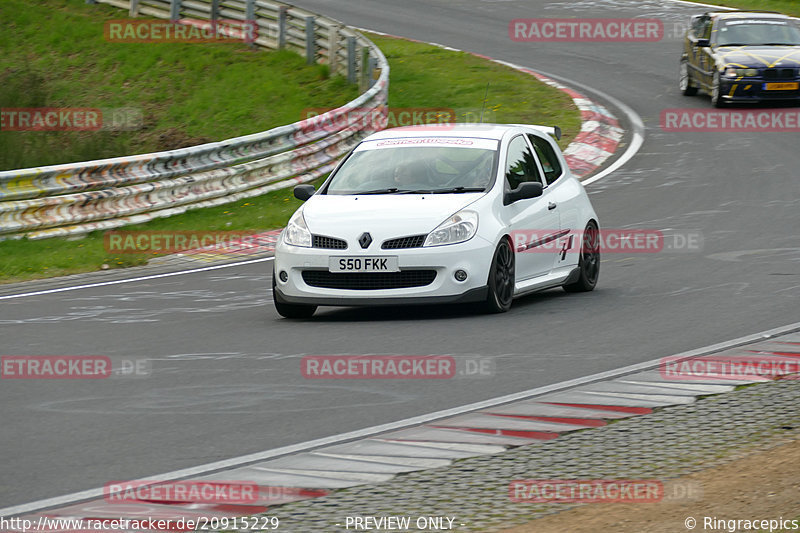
(760, 56)
(384, 216)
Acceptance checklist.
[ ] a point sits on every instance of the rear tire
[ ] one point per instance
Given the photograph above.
(291, 310)
(589, 261)
(501, 279)
(685, 80)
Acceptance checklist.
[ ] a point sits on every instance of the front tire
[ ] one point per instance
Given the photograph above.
(501, 279)
(716, 97)
(685, 80)
(290, 310)
(589, 261)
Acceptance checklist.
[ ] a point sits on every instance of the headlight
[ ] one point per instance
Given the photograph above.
(296, 232)
(731, 72)
(458, 228)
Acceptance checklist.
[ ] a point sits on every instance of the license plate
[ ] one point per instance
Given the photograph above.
(790, 86)
(363, 264)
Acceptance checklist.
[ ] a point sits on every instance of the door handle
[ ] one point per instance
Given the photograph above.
(551, 206)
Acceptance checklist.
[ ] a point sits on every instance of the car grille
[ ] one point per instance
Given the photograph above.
(414, 241)
(365, 281)
(779, 74)
(331, 243)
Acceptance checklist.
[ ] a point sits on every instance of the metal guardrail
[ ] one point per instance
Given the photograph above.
(76, 198)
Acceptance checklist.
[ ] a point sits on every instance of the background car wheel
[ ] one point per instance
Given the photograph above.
(291, 310)
(716, 97)
(685, 80)
(501, 279)
(589, 261)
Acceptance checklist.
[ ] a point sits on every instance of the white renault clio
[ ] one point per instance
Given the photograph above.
(467, 213)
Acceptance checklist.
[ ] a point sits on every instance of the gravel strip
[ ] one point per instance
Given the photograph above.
(671, 442)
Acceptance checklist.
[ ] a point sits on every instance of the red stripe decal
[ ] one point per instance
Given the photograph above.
(615, 408)
(786, 354)
(589, 422)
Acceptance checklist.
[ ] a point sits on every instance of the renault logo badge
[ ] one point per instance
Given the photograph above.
(365, 240)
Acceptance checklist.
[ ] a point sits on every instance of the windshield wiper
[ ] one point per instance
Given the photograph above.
(390, 190)
(458, 189)
(780, 44)
(395, 190)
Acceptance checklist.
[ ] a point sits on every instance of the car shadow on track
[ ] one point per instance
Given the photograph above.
(526, 304)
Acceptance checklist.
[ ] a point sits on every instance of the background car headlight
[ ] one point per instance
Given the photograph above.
(296, 232)
(732, 72)
(458, 228)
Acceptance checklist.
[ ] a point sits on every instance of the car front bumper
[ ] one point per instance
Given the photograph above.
(753, 90)
(473, 256)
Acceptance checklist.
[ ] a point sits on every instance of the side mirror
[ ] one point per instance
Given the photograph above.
(304, 192)
(703, 43)
(526, 190)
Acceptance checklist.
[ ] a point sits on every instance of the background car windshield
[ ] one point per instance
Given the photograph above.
(428, 168)
(754, 32)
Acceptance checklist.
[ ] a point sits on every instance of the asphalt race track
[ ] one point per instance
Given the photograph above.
(226, 378)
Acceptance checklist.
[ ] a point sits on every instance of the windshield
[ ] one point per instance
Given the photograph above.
(758, 32)
(393, 167)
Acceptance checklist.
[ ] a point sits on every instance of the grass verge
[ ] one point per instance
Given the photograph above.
(421, 76)
(55, 54)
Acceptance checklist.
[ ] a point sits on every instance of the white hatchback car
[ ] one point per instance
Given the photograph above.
(467, 213)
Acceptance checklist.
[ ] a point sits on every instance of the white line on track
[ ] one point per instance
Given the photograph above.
(400, 424)
(637, 126)
(131, 280)
(636, 121)
(700, 4)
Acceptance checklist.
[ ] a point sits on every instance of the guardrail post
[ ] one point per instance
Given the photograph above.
(214, 11)
(351, 59)
(372, 65)
(175, 10)
(365, 72)
(282, 27)
(134, 9)
(311, 42)
(250, 22)
(333, 49)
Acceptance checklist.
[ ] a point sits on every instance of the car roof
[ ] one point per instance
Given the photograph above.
(478, 131)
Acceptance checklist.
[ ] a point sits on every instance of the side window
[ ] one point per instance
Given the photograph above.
(697, 25)
(547, 157)
(520, 164)
(705, 30)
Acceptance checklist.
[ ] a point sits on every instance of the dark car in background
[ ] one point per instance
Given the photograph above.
(742, 56)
